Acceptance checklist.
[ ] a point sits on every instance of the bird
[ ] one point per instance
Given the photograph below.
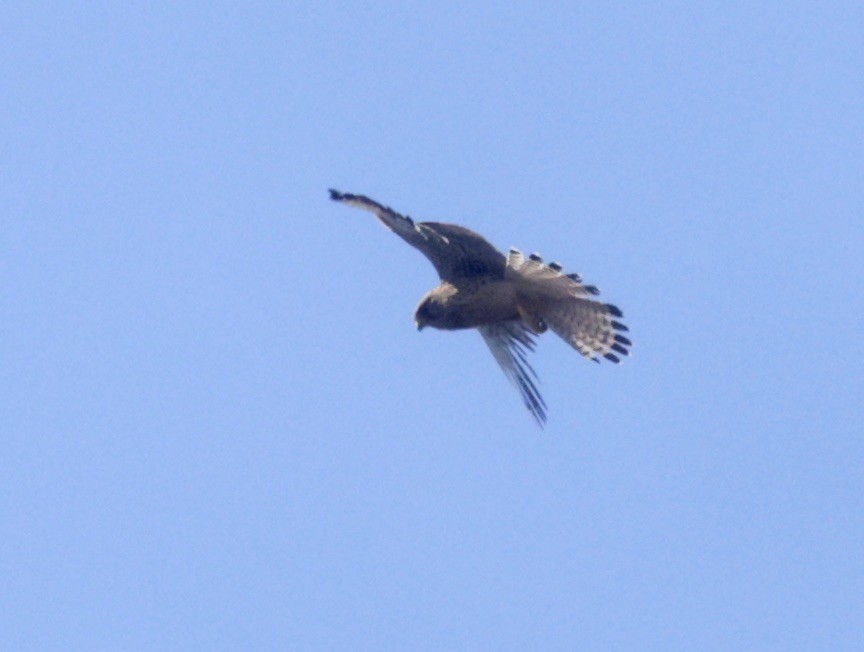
(509, 300)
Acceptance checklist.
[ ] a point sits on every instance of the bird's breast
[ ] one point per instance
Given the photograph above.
(481, 304)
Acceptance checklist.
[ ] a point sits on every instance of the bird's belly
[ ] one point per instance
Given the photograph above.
(485, 304)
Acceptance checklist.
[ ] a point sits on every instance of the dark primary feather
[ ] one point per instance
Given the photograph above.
(458, 254)
(510, 343)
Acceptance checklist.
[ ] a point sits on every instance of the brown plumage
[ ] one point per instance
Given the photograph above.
(509, 299)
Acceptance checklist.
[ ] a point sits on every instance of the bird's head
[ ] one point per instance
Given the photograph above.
(426, 313)
(433, 309)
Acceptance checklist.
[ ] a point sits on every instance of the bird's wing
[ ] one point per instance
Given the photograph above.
(560, 301)
(510, 342)
(458, 254)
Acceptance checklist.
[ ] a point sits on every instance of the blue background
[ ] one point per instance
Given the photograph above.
(220, 429)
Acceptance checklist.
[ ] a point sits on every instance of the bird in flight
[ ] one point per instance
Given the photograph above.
(508, 299)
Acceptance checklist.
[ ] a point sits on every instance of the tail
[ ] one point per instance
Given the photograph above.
(589, 327)
(560, 302)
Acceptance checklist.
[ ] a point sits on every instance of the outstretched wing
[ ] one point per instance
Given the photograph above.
(510, 342)
(458, 254)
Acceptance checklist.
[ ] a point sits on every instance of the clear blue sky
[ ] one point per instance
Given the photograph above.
(220, 430)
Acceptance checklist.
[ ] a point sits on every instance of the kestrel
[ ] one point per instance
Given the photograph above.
(509, 299)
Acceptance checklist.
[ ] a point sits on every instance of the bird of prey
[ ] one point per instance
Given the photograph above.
(509, 299)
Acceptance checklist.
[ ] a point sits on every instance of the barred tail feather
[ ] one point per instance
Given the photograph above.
(588, 326)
